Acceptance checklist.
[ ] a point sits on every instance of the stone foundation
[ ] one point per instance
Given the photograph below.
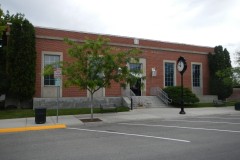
(76, 102)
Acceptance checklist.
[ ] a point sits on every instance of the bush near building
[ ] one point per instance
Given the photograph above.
(174, 93)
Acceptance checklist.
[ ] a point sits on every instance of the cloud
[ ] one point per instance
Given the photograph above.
(205, 22)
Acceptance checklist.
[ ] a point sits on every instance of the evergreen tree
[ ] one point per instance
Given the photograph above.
(21, 58)
(220, 73)
(3, 40)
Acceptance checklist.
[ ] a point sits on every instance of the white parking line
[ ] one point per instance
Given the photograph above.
(215, 118)
(201, 121)
(233, 115)
(206, 129)
(129, 134)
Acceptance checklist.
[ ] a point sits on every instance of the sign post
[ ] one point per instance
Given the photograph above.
(57, 76)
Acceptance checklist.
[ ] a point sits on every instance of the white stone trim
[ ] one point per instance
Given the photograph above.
(42, 70)
(201, 77)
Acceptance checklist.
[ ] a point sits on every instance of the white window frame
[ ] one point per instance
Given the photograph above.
(174, 74)
(143, 63)
(44, 66)
(201, 75)
(42, 70)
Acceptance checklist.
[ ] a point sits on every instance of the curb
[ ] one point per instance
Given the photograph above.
(32, 128)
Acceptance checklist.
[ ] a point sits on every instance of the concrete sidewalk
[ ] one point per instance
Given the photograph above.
(27, 124)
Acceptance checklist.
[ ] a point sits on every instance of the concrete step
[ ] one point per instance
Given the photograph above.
(147, 102)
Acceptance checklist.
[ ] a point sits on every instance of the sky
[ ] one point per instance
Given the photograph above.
(199, 22)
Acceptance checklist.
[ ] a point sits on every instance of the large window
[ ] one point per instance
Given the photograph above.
(50, 59)
(169, 74)
(196, 75)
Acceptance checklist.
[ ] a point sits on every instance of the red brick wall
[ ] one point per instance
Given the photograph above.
(154, 59)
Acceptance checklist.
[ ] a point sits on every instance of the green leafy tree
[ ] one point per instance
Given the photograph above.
(236, 71)
(2, 22)
(238, 57)
(96, 65)
(21, 58)
(220, 73)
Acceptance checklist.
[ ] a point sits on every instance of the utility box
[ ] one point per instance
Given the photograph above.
(40, 115)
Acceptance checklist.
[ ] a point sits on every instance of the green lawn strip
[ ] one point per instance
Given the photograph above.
(203, 105)
(16, 113)
(23, 113)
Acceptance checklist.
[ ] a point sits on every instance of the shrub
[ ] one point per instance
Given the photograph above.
(174, 92)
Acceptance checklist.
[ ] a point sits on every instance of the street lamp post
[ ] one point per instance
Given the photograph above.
(182, 101)
(181, 67)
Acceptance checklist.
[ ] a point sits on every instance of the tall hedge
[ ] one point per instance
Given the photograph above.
(219, 61)
(21, 59)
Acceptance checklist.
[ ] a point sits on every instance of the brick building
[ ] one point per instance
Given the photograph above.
(158, 63)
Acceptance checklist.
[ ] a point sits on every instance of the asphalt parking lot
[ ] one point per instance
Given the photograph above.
(215, 137)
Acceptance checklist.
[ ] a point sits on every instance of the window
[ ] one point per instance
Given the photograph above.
(196, 75)
(135, 67)
(50, 59)
(169, 74)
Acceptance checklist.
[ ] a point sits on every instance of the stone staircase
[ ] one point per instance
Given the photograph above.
(147, 102)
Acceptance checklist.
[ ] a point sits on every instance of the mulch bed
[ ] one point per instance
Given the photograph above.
(91, 120)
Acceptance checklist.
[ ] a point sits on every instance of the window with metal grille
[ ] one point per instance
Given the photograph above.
(196, 75)
(169, 74)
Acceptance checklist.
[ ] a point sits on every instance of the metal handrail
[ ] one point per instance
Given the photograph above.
(161, 94)
(132, 93)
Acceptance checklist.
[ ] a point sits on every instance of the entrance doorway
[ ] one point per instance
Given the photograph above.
(136, 88)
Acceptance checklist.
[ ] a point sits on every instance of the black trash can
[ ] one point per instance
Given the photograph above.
(237, 106)
(40, 115)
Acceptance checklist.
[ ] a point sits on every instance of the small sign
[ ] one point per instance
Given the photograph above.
(57, 73)
(57, 82)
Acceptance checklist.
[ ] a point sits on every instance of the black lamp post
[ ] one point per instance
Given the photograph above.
(181, 67)
(182, 101)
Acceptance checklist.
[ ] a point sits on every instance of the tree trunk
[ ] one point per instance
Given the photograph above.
(19, 104)
(91, 105)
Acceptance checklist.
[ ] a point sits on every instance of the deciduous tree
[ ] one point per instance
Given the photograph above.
(96, 65)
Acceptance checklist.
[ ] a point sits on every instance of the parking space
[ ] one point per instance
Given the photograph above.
(224, 123)
(213, 137)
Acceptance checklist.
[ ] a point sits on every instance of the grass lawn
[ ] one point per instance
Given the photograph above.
(202, 105)
(23, 113)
